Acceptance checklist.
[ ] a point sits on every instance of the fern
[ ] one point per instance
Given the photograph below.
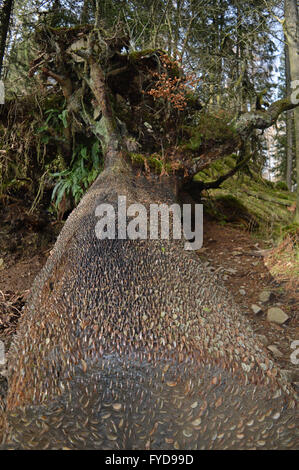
(85, 166)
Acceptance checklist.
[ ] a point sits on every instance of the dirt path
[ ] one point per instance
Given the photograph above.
(25, 242)
(243, 262)
(24, 247)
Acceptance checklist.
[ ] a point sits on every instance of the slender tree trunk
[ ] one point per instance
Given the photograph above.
(289, 124)
(5, 15)
(292, 34)
(84, 12)
(177, 21)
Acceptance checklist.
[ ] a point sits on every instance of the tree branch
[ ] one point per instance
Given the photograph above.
(64, 82)
(244, 126)
(206, 159)
(200, 185)
(262, 119)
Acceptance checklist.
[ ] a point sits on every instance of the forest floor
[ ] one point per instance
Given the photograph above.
(244, 262)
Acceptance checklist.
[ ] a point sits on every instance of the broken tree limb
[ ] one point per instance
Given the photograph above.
(64, 82)
(244, 126)
(262, 119)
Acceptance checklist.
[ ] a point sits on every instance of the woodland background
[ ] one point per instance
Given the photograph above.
(199, 89)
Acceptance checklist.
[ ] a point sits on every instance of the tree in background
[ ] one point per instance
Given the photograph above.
(5, 16)
(291, 28)
(284, 155)
(226, 45)
(289, 124)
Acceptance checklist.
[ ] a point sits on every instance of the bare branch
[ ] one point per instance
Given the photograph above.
(64, 82)
(262, 119)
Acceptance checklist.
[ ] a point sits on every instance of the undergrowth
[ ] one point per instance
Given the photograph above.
(283, 259)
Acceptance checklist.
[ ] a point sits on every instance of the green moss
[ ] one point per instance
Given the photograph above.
(292, 230)
(209, 130)
(137, 158)
(216, 127)
(230, 209)
(241, 193)
(268, 216)
(153, 161)
(68, 29)
(194, 143)
(135, 56)
(231, 160)
(281, 185)
(232, 203)
(202, 176)
(54, 101)
(217, 168)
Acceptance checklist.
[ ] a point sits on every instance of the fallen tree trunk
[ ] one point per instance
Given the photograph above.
(264, 197)
(131, 343)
